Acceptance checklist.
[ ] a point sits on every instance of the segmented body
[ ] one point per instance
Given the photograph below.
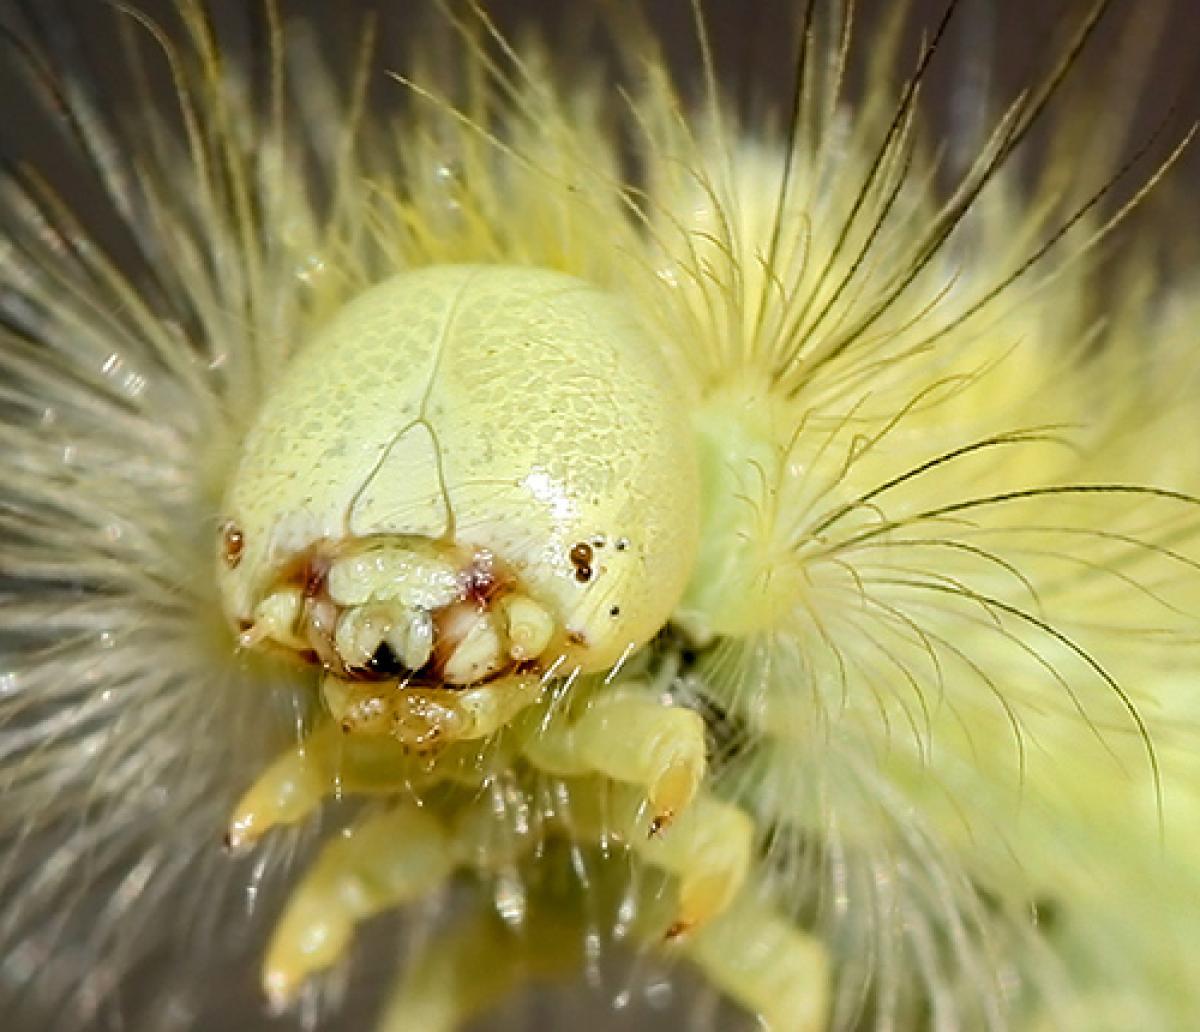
(870, 598)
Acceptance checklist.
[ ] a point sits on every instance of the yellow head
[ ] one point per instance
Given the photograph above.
(473, 473)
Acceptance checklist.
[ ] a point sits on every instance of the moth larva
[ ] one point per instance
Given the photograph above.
(573, 517)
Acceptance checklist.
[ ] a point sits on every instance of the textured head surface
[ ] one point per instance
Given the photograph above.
(518, 412)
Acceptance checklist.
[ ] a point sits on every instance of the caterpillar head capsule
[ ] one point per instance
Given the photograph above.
(474, 479)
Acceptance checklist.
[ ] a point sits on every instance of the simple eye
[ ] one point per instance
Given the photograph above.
(233, 543)
(581, 559)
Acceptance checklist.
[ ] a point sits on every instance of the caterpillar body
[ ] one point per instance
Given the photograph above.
(581, 518)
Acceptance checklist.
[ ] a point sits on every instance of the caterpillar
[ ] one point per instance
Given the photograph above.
(474, 517)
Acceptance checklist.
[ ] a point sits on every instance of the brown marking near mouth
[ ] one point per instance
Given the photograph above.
(308, 570)
(483, 579)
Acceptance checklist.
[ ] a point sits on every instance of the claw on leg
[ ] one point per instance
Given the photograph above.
(386, 860)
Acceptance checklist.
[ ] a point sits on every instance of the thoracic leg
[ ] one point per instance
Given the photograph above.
(765, 963)
(749, 951)
(474, 966)
(627, 735)
(481, 960)
(386, 860)
(331, 762)
(637, 762)
(622, 734)
(707, 849)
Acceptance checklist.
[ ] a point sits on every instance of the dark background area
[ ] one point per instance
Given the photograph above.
(1138, 77)
(1143, 64)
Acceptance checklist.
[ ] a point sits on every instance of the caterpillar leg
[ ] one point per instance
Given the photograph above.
(330, 761)
(707, 849)
(638, 764)
(475, 966)
(761, 960)
(628, 736)
(354, 878)
(752, 953)
(623, 735)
